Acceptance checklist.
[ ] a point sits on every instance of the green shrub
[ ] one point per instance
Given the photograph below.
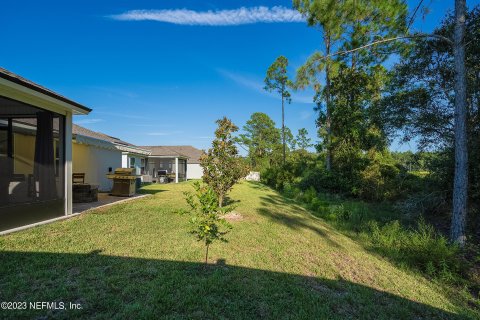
(420, 247)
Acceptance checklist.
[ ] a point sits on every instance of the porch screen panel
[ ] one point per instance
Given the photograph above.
(32, 161)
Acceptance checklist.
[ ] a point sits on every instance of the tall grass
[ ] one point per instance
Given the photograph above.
(410, 243)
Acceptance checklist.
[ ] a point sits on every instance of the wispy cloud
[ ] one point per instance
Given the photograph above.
(257, 85)
(88, 121)
(304, 115)
(245, 81)
(123, 115)
(164, 133)
(214, 18)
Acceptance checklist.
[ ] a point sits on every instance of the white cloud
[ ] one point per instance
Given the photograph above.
(304, 115)
(258, 86)
(163, 133)
(244, 81)
(123, 115)
(214, 18)
(88, 121)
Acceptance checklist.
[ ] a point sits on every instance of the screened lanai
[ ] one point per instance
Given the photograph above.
(35, 152)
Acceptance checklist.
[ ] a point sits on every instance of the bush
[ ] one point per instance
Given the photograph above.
(324, 181)
(422, 203)
(277, 177)
(420, 247)
(378, 179)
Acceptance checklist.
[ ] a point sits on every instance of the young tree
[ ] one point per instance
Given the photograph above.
(303, 141)
(277, 80)
(222, 165)
(206, 219)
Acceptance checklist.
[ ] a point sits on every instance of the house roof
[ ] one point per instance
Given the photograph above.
(15, 78)
(76, 129)
(102, 138)
(193, 154)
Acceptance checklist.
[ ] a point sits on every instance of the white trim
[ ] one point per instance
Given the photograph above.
(176, 170)
(133, 150)
(23, 94)
(99, 143)
(170, 157)
(68, 164)
(28, 226)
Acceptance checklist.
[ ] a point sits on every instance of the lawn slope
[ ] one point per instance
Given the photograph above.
(136, 260)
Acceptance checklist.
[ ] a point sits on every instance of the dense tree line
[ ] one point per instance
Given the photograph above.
(431, 95)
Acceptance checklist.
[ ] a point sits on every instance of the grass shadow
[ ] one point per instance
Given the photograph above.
(228, 201)
(279, 209)
(125, 288)
(150, 189)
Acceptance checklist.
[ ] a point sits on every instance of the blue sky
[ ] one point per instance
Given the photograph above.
(164, 83)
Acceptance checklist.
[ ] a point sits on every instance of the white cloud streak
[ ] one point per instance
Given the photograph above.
(232, 17)
(88, 121)
(258, 86)
(163, 133)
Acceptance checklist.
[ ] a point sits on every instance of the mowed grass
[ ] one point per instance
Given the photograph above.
(137, 261)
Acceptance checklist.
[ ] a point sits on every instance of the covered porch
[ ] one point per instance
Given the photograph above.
(162, 169)
(35, 152)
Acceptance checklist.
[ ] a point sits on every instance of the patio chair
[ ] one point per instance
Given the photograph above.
(78, 178)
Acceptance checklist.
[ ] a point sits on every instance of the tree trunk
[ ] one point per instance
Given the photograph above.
(459, 212)
(206, 253)
(328, 161)
(283, 127)
(220, 200)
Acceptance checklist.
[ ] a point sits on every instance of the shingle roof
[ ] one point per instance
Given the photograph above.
(193, 154)
(10, 76)
(119, 144)
(76, 129)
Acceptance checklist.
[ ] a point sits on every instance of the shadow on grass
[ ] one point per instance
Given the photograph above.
(227, 201)
(258, 185)
(130, 288)
(284, 211)
(146, 190)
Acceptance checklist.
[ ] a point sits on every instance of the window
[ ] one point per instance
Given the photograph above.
(132, 162)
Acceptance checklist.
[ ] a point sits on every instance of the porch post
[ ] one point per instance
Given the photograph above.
(176, 170)
(68, 163)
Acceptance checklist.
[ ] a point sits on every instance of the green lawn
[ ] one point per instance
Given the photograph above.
(135, 260)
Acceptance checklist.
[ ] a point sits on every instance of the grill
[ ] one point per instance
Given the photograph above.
(123, 182)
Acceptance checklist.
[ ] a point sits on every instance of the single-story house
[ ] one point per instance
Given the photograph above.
(35, 152)
(183, 161)
(95, 154)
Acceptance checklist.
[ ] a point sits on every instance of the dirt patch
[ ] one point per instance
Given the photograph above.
(233, 216)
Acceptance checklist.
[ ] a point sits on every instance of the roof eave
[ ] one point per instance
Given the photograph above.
(16, 88)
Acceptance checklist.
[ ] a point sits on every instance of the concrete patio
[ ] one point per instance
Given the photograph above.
(104, 199)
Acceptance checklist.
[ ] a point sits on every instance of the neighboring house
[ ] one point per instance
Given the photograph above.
(95, 154)
(35, 152)
(136, 160)
(183, 161)
(194, 170)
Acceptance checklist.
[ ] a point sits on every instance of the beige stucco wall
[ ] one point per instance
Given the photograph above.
(94, 162)
(24, 147)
